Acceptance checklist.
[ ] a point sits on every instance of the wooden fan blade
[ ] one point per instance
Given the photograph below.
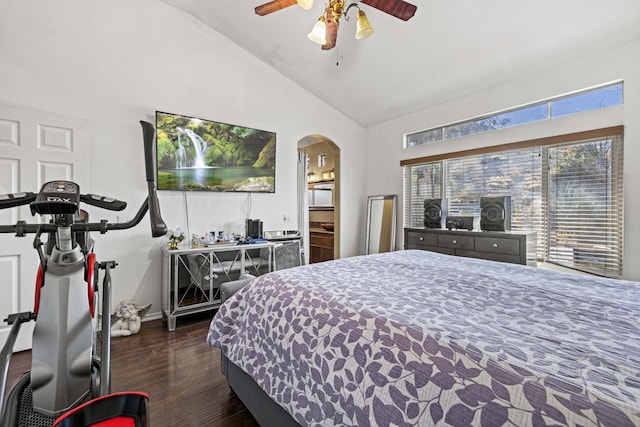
(398, 8)
(273, 6)
(331, 35)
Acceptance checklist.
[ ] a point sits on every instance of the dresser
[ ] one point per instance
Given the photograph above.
(505, 246)
(191, 278)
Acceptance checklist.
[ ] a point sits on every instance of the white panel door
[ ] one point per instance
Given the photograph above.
(35, 147)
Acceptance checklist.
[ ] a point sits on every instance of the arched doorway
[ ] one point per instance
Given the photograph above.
(319, 197)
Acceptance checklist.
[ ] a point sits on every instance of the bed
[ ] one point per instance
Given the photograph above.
(420, 338)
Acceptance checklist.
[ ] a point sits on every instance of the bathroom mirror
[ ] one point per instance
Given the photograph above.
(381, 224)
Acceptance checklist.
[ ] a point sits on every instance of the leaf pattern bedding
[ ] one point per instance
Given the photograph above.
(416, 338)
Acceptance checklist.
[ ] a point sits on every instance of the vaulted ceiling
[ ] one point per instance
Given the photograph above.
(450, 48)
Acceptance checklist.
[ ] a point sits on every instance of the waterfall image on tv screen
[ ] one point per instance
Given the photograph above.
(203, 155)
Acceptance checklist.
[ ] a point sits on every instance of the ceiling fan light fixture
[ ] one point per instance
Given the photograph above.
(363, 27)
(318, 33)
(305, 4)
(325, 30)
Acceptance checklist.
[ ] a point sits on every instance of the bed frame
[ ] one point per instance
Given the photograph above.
(266, 412)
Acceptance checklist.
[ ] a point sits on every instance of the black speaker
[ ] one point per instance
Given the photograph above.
(435, 212)
(495, 213)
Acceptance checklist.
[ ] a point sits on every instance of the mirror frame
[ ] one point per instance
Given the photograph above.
(370, 205)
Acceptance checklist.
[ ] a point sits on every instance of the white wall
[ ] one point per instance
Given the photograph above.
(116, 62)
(384, 141)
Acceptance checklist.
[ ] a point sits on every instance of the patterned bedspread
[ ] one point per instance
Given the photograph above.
(419, 338)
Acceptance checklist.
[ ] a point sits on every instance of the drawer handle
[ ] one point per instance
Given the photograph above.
(495, 245)
(421, 238)
(454, 242)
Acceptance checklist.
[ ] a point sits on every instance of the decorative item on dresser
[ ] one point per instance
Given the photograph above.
(506, 246)
(174, 238)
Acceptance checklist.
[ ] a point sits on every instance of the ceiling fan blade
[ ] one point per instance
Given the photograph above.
(398, 8)
(273, 6)
(331, 34)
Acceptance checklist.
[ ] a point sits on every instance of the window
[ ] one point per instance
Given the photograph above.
(585, 205)
(496, 174)
(568, 189)
(591, 99)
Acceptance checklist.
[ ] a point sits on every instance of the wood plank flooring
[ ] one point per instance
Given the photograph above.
(179, 371)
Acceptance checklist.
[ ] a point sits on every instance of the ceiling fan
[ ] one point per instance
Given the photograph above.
(325, 31)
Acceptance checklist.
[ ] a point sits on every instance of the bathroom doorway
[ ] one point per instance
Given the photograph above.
(319, 197)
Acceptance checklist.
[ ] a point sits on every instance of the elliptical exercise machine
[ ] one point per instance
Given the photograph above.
(70, 379)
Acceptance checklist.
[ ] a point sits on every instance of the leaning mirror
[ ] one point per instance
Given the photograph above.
(381, 224)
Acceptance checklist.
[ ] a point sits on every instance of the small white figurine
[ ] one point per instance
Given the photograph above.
(129, 315)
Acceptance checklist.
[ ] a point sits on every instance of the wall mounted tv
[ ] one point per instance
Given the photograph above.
(203, 155)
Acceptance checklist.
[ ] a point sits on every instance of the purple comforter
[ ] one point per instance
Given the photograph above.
(415, 338)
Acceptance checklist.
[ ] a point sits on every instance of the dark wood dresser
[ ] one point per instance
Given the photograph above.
(505, 246)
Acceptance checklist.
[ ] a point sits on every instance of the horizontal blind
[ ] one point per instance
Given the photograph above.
(423, 181)
(570, 193)
(513, 173)
(585, 206)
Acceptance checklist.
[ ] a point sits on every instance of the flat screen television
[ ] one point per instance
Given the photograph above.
(203, 155)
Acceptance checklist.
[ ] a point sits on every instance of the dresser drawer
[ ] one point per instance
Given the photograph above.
(415, 239)
(498, 245)
(455, 241)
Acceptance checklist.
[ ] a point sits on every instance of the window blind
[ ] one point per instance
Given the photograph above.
(570, 193)
(421, 181)
(498, 174)
(585, 206)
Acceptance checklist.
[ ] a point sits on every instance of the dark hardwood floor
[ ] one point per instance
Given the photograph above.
(179, 371)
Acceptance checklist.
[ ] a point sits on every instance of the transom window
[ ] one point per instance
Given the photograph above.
(588, 99)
